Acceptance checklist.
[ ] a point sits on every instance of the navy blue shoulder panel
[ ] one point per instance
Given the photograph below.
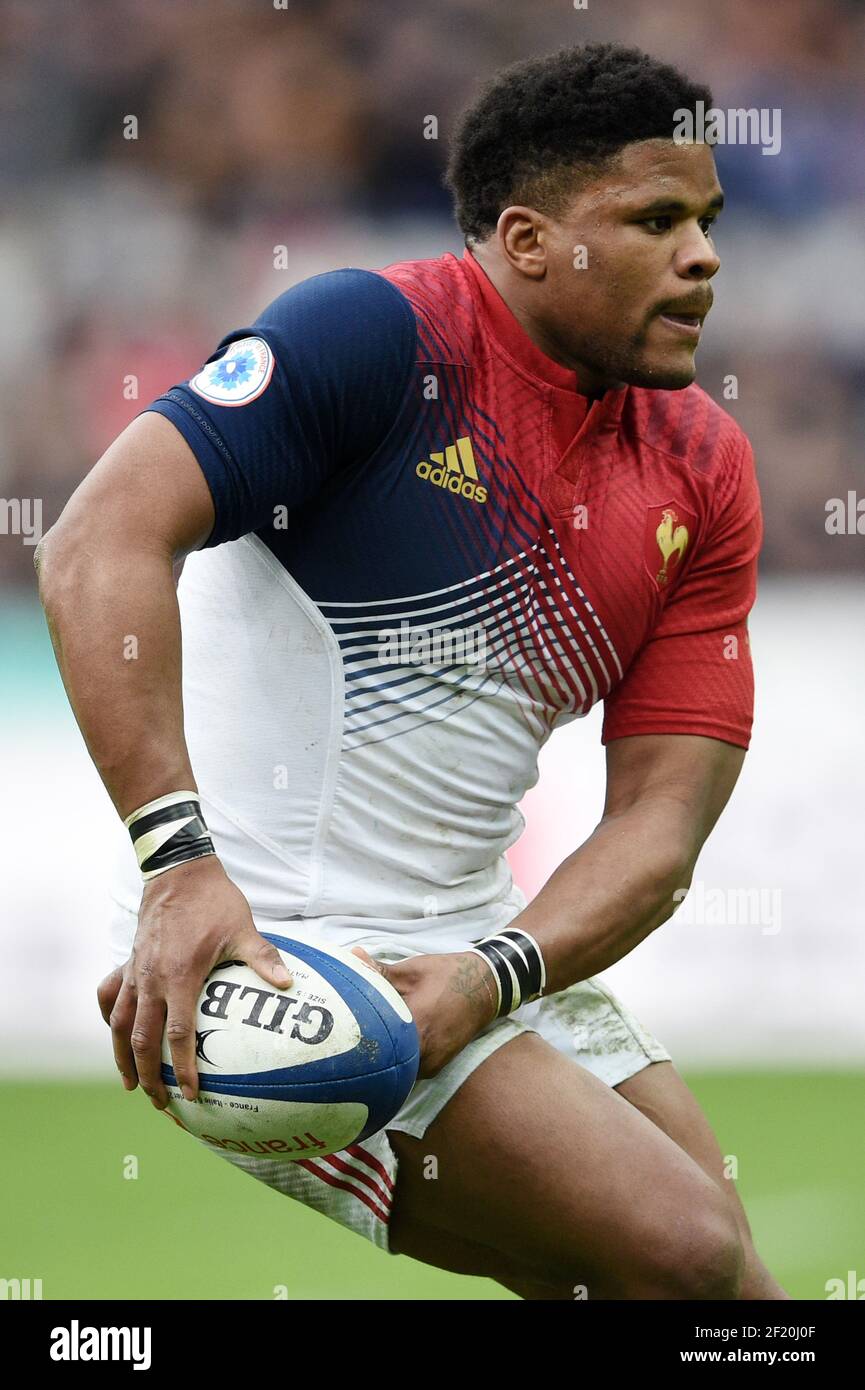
(312, 386)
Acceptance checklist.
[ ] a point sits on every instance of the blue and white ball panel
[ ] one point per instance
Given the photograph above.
(240, 375)
(285, 1074)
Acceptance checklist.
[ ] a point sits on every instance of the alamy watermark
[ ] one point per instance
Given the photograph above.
(433, 646)
(729, 907)
(20, 1290)
(845, 516)
(21, 516)
(77, 1343)
(737, 125)
(852, 1287)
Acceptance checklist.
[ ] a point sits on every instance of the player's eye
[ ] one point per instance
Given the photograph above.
(662, 223)
(652, 223)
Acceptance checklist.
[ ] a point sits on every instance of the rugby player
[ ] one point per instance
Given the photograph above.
(507, 444)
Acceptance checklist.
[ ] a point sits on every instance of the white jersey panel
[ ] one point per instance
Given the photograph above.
(404, 831)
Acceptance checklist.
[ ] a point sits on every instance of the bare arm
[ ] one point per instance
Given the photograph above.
(664, 794)
(107, 586)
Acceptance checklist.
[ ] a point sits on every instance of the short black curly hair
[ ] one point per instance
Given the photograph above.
(537, 123)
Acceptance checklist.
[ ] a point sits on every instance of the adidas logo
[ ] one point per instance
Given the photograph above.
(455, 471)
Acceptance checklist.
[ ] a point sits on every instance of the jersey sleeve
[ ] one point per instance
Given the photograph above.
(695, 675)
(312, 386)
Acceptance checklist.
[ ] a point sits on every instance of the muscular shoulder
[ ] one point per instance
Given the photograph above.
(441, 300)
(311, 387)
(691, 427)
(347, 313)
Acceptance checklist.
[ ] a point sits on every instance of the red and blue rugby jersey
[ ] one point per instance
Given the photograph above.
(429, 551)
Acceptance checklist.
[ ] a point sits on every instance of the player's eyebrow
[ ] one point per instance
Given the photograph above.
(662, 205)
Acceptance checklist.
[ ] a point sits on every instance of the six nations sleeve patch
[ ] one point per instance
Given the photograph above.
(240, 376)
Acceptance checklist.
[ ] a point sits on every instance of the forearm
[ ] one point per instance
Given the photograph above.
(612, 892)
(114, 622)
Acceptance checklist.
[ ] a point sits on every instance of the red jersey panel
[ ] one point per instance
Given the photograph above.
(641, 512)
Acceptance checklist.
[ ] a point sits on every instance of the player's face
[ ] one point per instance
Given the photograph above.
(631, 308)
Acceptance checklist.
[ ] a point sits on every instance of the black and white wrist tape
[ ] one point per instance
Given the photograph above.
(169, 831)
(517, 965)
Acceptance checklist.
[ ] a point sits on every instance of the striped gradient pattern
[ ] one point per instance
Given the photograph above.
(358, 1172)
(544, 645)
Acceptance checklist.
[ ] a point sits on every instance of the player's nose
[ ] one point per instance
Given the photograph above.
(697, 258)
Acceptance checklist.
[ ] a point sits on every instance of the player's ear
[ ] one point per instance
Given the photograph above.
(521, 238)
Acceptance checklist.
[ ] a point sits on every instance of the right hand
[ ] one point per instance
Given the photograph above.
(191, 918)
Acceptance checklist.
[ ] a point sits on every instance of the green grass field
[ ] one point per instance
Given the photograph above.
(193, 1227)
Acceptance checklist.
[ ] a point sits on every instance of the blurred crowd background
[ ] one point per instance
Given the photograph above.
(302, 127)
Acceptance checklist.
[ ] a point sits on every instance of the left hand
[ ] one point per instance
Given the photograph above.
(451, 997)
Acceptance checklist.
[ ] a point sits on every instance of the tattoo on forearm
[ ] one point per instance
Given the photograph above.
(471, 978)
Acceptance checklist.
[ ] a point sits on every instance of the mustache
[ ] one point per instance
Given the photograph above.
(693, 304)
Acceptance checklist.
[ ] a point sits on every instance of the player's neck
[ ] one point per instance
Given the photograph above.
(587, 382)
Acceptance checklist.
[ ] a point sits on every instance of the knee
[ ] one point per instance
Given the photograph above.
(694, 1255)
(700, 1257)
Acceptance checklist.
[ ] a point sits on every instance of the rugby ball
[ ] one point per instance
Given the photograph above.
(286, 1074)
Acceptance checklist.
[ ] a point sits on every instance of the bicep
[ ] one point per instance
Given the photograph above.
(697, 774)
(147, 491)
(695, 675)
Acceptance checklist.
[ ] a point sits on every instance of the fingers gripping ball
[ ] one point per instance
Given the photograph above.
(310, 1069)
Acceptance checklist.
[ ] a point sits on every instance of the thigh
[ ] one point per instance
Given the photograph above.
(660, 1094)
(541, 1162)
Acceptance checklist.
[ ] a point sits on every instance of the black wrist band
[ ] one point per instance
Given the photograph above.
(518, 966)
(169, 831)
